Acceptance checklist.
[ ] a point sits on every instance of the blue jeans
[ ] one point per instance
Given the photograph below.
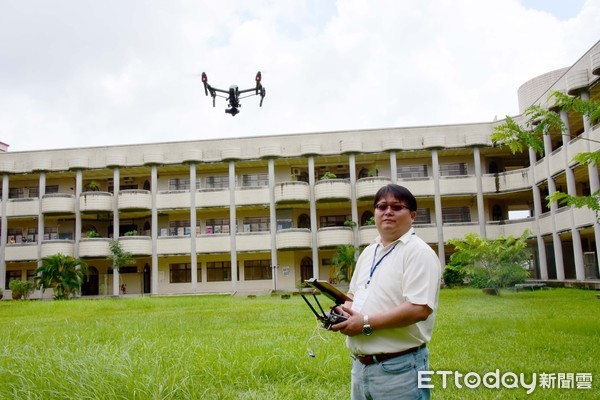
(393, 379)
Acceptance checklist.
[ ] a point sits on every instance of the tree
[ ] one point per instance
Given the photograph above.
(541, 121)
(118, 258)
(492, 263)
(63, 274)
(344, 261)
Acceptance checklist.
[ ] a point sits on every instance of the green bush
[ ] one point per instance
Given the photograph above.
(454, 275)
(20, 289)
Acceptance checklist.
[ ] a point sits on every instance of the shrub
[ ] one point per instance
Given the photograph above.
(20, 289)
(454, 275)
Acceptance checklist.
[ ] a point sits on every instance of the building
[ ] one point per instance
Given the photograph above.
(253, 214)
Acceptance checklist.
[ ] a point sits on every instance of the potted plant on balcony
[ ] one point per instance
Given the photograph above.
(92, 234)
(328, 175)
(92, 186)
(131, 233)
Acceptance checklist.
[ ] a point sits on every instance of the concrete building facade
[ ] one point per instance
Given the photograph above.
(255, 214)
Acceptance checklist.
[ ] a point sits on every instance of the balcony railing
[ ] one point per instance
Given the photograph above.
(292, 192)
(368, 187)
(135, 199)
(136, 245)
(55, 246)
(96, 201)
(94, 247)
(27, 207)
(58, 203)
(332, 189)
(334, 236)
(289, 239)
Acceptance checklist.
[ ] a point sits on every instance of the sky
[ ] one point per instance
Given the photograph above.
(83, 73)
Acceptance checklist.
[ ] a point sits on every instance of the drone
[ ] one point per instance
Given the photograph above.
(233, 94)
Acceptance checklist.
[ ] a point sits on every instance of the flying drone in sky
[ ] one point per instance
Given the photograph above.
(233, 94)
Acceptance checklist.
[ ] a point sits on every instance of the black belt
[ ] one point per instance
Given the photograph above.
(377, 358)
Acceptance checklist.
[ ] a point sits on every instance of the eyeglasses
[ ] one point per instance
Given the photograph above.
(395, 207)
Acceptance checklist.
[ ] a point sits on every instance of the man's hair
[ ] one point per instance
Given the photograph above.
(399, 192)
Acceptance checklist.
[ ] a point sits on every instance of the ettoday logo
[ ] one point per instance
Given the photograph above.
(508, 380)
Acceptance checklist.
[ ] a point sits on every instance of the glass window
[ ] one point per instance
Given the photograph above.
(217, 182)
(257, 270)
(182, 273)
(218, 271)
(218, 225)
(16, 193)
(256, 224)
(182, 183)
(255, 180)
(333, 220)
(453, 169)
(180, 228)
(456, 214)
(423, 216)
(11, 276)
(411, 171)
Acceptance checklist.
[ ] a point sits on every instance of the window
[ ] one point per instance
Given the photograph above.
(182, 273)
(218, 271)
(257, 269)
(180, 228)
(182, 183)
(256, 224)
(456, 214)
(423, 216)
(16, 193)
(411, 171)
(50, 232)
(453, 169)
(333, 220)
(220, 225)
(217, 182)
(11, 276)
(255, 180)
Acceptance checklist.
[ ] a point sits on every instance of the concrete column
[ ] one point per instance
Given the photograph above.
(154, 229)
(41, 222)
(233, 226)
(78, 190)
(116, 223)
(577, 249)
(537, 210)
(558, 254)
(593, 177)
(273, 221)
(313, 216)
(435, 164)
(3, 231)
(393, 167)
(193, 256)
(480, 203)
(353, 202)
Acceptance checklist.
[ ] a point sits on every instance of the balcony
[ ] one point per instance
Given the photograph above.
(135, 199)
(247, 196)
(368, 187)
(214, 243)
(212, 198)
(506, 181)
(419, 186)
(96, 202)
(332, 189)
(21, 252)
(28, 207)
(334, 236)
(292, 192)
(136, 245)
(58, 203)
(466, 184)
(173, 245)
(52, 247)
(94, 248)
(367, 235)
(253, 241)
(173, 200)
(292, 239)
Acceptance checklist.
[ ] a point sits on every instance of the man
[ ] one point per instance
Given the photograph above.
(394, 293)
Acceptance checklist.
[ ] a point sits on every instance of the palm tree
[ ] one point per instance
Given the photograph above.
(63, 274)
(344, 261)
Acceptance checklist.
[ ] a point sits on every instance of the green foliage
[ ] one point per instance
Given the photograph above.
(131, 233)
(92, 234)
(20, 289)
(349, 223)
(328, 175)
(344, 261)
(492, 263)
(370, 221)
(119, 257)
(454, 275)
(63, 274)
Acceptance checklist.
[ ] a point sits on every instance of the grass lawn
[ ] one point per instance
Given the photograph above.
(221, 347)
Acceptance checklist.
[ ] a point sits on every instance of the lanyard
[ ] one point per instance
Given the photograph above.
(375, 265)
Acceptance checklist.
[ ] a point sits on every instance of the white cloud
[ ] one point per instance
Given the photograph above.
(80, 74)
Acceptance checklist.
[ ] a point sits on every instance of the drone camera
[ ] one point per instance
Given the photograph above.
(233, 111)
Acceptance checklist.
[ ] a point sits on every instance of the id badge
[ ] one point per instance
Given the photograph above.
(359, 300)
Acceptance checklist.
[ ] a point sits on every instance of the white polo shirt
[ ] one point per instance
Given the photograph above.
(405, 270)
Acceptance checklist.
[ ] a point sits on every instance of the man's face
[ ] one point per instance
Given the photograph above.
(391, 224)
